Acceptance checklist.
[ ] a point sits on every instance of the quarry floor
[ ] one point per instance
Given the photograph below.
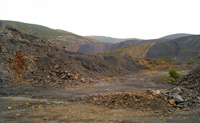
(18, 104)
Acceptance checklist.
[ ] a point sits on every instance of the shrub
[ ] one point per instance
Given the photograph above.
(153, 65)
(174, 74)
(191, 61)
(21, 29)
(146, 68)
(175, 59)
(199, 55)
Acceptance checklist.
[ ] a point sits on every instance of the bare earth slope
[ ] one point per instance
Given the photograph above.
(41, 62)
(183, 48)
(60, 36)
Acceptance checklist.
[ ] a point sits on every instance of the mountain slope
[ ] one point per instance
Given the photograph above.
(138, 51)
(110, 39)
(37, 30)
(174, 36)
(106, 47)
(60, 36)
(183, 48)
(98, 48)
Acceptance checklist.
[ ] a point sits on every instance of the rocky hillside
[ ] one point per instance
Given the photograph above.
(110, 39)
(60, 36)
(174, 36)
(138, 51)
(28, 59)
(98, 48)
(112, 44)
(183, 48)
(134, 48)
(37, 30)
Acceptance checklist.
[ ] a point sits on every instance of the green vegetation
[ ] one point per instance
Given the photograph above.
(133, 52)
(175, 75)
(199, 55)
(191, 61)
(37, 30)
(21, 28)
(59, 36)
(147, 68)
(165, 59)
(175, 59)
(153, 65)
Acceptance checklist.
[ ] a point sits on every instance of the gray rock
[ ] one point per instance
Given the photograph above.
(177, 97)
(82, 80)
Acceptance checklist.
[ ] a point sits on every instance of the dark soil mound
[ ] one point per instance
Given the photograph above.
(192, 80)
(25, 58)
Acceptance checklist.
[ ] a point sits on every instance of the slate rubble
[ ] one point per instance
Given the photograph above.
(191, 80)
(155, 100)
(46, 64)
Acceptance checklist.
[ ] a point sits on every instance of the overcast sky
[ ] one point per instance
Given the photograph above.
(145, 19)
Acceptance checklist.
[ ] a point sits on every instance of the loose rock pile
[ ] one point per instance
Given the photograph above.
(41, 63)
(192, 80)
(154, 100)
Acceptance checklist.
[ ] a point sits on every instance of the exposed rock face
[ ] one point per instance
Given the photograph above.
(192, 80)
(25, 58)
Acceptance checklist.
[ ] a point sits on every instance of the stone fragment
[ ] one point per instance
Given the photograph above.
(63, 76)
(9, 107)
(82, 80)
(56, 66)
(172, 101)
(73, 77)
(177, 97)
(165, 98)
(177, 90)
(155, 92)
(150, 97)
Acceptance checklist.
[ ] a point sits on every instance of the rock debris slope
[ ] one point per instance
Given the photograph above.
(26, 58)
(192, 80)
